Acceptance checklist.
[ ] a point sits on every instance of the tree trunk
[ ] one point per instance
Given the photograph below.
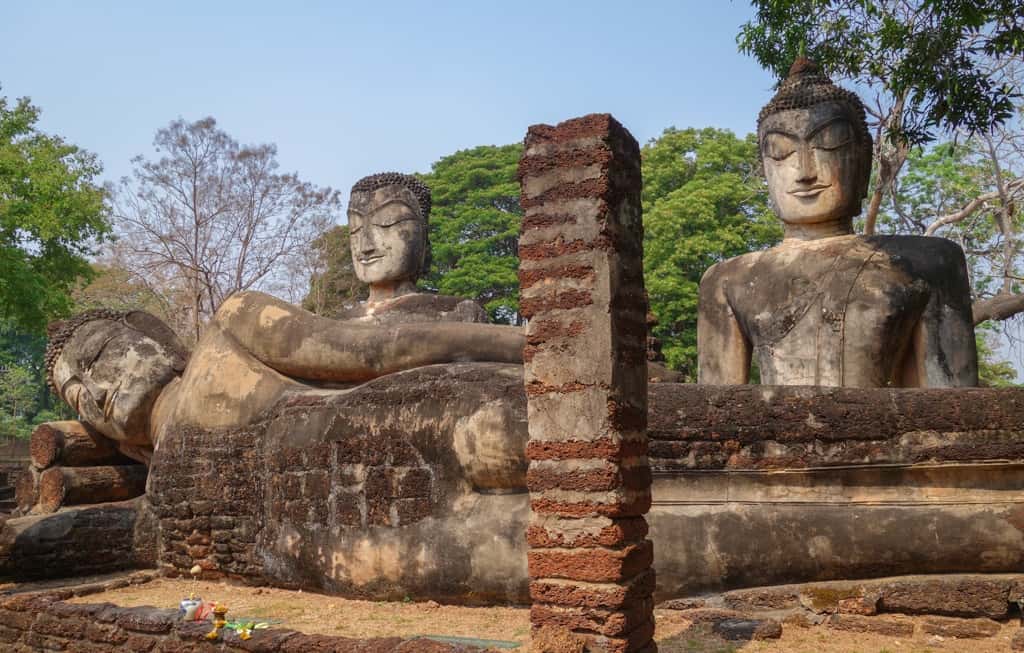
(72, 444)
(73, 486)
(872, 214)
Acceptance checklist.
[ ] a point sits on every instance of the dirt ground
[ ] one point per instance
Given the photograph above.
(315, 613)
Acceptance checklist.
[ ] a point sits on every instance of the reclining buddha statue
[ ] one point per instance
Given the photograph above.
(128, 376)
(827, 307)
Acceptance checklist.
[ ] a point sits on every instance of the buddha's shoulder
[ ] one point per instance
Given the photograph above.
(923, 251)
(731, 267)
(918, 256)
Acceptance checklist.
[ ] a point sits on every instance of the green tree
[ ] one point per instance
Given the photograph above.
(17, 396)
(703, 201)
(474, 228)
(23, 352)
(993, 372)
(51, 214)
(333, 283)
(933, 65)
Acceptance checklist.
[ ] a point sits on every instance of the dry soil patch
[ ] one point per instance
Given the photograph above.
(330, 615)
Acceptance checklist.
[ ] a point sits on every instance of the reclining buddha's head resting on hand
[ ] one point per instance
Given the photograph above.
(110, 366)
(387, 217)
(816, 150)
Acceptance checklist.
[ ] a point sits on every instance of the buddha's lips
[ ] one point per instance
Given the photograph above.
(810, 191)
(371, 259)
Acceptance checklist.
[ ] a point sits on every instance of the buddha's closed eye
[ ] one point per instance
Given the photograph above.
(833, 136)
(779, 147)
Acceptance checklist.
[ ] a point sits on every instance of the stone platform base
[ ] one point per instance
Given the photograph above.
(41, 621)
(79, 540)
(962, 606)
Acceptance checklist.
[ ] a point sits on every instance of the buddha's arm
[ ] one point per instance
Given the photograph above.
(302, 345)
(944, 352)
(723, 353)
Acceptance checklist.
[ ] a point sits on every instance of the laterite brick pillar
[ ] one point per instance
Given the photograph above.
(581, 280)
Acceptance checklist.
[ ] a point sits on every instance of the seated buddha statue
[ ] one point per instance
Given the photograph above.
(828, 307)
(127, 375)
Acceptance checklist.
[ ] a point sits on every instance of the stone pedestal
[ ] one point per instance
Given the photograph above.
(581, 279)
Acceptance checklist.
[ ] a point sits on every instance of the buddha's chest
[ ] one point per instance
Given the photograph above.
(821, 318)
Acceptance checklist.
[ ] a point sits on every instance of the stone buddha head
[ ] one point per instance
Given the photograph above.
(110, 366)
(816, 151)
(387, 217)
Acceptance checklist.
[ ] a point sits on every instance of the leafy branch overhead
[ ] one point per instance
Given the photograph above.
(52, 215)
(932, 55)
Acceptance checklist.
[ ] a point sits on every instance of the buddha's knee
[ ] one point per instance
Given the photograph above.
(491, 447)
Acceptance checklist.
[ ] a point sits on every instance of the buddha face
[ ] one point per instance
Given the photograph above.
(814, 163)
(387, 235)
(111, 374)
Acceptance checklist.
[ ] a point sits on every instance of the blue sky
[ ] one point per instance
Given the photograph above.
(348, 89)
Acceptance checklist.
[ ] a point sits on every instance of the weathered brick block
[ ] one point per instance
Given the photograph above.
(613, 623)
(316, 484)
(146, 620)
(608, 596)
(412, 483)
(39, 642)
(640, 640)
(46, 624)
(546, 531)
(412, 510)
(104, 634)
(603, 448)
(620, 502)
(599, 565)
(22, 620)
(139, 643)
(9, 635)
(587, 476)
(348, 508)
(581, 279)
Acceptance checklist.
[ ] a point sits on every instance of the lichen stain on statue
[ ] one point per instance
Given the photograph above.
(827, 307)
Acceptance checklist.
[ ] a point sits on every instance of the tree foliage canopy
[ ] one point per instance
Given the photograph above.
(474, 228)
(333, 282)
(703, 202)
(932, 55)
(51, 215)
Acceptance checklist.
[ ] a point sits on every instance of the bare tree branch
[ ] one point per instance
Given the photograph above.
(972, 206)
(1000, 307)
(211, 218)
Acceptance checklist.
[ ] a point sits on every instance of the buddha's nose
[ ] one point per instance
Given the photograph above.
(368, 244)
(807, 166)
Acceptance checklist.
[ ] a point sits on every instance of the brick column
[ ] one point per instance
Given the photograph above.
(581, 280)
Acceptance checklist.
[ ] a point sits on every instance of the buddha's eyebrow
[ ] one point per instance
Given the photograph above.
(831, 121)
(379, 208)
(779, 132)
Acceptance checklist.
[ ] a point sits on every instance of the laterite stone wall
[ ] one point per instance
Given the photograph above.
(581, 279)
